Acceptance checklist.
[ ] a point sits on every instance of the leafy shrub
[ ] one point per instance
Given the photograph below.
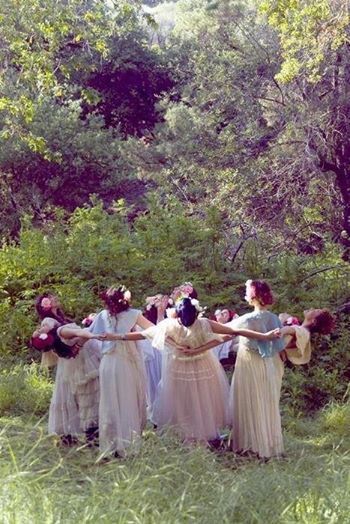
(160, 249)
(24, 389)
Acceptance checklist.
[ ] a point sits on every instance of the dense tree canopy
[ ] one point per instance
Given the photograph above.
(243, 106)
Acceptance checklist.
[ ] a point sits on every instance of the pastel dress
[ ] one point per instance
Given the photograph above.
(256, 389)
(122, 413)
(192, 397)
(153, 365)
(300, 353)
(75, 400)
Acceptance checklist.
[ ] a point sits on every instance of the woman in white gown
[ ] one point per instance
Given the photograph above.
(257, 379)
(122, 413)
(75, 399)
(298, 337)
(193, 394)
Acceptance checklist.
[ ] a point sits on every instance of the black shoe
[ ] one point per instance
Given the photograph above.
(92, 436)
(69, 440)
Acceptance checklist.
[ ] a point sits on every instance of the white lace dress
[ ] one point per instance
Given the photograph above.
(75, 400)
(192, 397)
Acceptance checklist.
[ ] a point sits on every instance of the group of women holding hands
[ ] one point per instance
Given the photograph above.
(127, 366)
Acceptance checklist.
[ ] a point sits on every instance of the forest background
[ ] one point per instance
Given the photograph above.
(160, 142)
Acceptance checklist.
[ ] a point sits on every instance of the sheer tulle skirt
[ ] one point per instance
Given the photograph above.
(122, 411)
(192, 397)
(254, 404)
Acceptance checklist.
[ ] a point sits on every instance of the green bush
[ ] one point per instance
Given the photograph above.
(24, 389)
(158, 250)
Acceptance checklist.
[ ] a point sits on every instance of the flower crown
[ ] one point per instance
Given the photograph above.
(183, 291)
(154, 301)
(197, 305)
(46, 304)
(43, 342)
(121, 289)
(250, 291)
(87, 321)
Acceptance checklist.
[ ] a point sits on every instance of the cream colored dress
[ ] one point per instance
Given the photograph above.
(122, 413)
(255, 392)
(75, 400)
(301, 353)
(192, 396)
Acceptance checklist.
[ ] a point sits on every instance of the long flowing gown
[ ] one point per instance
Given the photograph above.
(75, 400)
(192, 396)
(122, 413)
(256, 388)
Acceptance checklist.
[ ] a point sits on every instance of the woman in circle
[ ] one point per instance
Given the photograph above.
(122, 413)
(257, 379)
(298, 337)
(75, 399)
(193, 394)
(155, 312)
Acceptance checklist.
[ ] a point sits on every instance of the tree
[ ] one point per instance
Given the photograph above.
(240, 134)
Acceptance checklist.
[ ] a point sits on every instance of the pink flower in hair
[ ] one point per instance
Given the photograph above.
(46, 303)
(250, 292)
(187, 288)
(292, 321)
(87, 321)
(127, 295)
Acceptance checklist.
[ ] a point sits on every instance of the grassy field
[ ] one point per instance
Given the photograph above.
(42, 482)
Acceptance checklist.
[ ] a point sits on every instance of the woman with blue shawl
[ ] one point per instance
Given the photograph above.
(257, 379)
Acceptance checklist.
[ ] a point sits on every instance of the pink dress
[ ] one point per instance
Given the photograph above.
(193, 394)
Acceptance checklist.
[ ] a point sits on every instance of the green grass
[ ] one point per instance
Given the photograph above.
(42, 482)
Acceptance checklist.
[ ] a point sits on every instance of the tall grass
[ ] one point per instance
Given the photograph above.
(167, 483)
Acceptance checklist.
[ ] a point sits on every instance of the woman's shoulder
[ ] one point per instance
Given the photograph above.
(71, 325)
(134, 311)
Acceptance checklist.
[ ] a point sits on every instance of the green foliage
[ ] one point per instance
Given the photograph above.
(24, 389)
(161, 249)
(308, 30)
(308, 388)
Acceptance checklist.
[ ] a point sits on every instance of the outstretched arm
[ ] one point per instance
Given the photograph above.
(222, 328)
(68, 332)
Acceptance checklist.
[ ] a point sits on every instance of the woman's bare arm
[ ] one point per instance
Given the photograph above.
(223, 329)
(69, 332)
(287, 330)
(205, 347)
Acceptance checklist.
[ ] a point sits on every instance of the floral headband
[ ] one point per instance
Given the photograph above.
(154, 301)
(183, 291)
(121, 289)
(87, 321)
(250, 291)
(197, 305)
(46, 303)
(43, 342)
